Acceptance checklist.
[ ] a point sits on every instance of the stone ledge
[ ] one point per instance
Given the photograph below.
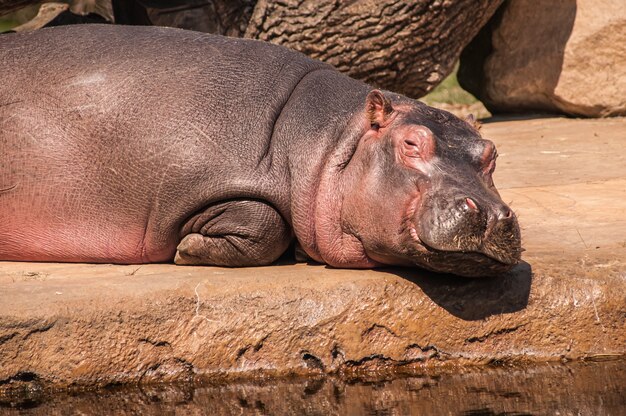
(78, 324)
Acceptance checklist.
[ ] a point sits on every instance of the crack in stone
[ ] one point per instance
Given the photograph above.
(185, 363)
(311, 361)
(255, 348)
(259, 344)
(155, 343)
(241, 352)
(43, 328)
(429, 351)
(23, 376)
(379, 326)
(364, 360)
(336, 353)
(8, 337)
(493, 333)
(388, 361)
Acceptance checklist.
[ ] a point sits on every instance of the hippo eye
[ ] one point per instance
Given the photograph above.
(411, 148)
(416, 147)
(375, 126)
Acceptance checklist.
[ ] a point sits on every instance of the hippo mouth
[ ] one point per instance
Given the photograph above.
(469, 263)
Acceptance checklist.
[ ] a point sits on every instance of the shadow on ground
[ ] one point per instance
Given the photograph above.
(466, 298)
(474, 299)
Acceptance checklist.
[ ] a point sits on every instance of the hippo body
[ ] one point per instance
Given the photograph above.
(143, 144)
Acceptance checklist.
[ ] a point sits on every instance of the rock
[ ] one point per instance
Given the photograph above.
(407, 47)
(223, 17)
(562, 56)
(87, 325)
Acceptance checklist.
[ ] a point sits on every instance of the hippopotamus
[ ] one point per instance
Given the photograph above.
(142, 144)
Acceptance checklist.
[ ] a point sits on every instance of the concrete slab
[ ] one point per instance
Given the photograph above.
(82, 324)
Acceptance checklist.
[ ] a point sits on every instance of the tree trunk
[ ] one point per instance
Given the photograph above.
(404, 46)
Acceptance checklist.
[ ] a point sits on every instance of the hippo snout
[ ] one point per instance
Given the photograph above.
(485, 228)
(496, 213)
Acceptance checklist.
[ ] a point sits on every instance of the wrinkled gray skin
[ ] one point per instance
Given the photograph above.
(144, 144)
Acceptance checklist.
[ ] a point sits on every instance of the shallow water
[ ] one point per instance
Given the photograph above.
(555, 389)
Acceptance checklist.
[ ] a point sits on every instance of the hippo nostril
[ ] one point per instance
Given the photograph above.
(504, 213)
(469, 202)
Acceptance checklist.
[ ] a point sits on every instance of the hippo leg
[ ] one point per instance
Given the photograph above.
(234, 233)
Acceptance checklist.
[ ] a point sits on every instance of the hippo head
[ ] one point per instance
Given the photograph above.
(418, 191)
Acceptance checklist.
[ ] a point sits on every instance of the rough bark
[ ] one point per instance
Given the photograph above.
(404, 46)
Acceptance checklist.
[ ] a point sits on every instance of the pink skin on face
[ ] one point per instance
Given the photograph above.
(333, 245)
(342, 204)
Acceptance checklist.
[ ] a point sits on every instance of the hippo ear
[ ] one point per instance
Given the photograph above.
(471, 120)
(378, 109)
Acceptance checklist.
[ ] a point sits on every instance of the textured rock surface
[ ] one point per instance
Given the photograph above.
(562, 56)
(407, 47)
(98, 324)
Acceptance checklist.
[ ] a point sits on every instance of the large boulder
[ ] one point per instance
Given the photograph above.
(404, 46)
(561, 56)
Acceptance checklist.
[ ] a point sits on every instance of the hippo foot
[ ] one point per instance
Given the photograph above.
(191, 250)
(218, 238)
